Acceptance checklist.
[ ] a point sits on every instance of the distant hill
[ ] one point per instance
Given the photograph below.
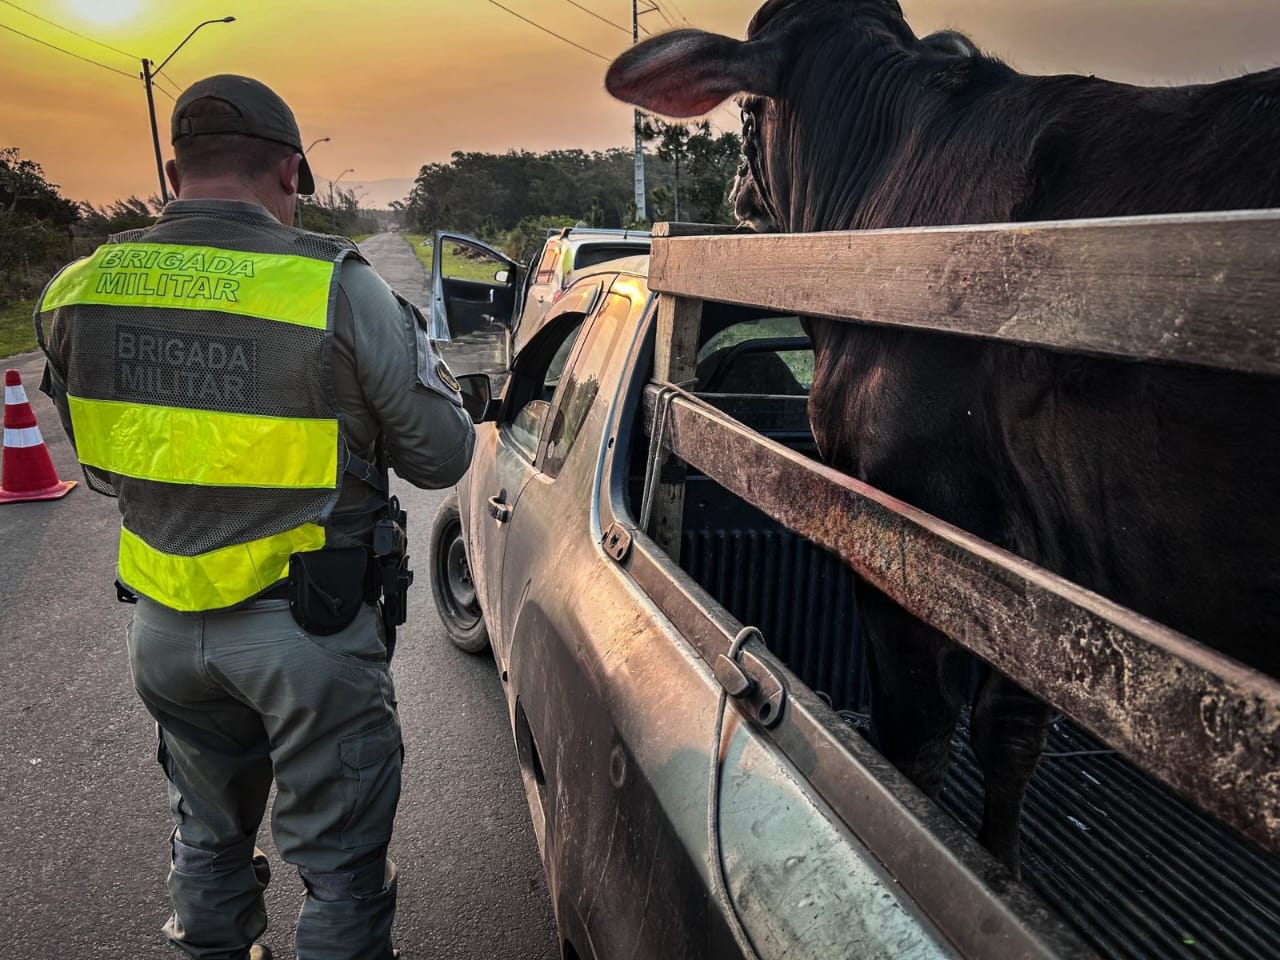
(377, 194)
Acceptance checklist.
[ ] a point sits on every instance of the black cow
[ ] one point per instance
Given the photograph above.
(1155, 486)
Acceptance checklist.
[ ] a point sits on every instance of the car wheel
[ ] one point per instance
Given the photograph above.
(451, 584)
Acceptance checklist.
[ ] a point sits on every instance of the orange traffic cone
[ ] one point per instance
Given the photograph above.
(27, 473)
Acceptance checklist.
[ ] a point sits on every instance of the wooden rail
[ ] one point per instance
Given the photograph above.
(1191, 288)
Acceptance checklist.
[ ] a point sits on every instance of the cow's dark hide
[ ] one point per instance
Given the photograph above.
(1154, 486)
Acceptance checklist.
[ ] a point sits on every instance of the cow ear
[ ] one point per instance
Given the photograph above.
(687, 73)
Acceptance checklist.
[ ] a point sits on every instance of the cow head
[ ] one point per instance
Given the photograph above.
(813, 79)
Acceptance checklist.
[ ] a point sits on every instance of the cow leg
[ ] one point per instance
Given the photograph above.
(917, 689)
(1007, 732)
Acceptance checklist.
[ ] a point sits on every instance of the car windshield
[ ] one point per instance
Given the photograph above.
(590, 254)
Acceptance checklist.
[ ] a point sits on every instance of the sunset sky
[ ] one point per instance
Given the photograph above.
(399, 83)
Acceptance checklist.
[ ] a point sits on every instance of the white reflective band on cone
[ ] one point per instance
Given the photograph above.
(26, 437)
(15, 394)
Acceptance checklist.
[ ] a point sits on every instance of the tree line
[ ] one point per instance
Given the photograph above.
(41, 230)
(509, 199)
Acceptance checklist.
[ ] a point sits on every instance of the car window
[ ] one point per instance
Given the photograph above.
(464, 261)
(523, 432)
(581, 385)
(554, 372)
(547, 265)
(761, 356)
(534, 383)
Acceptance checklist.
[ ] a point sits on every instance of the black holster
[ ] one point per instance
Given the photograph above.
(394, 576)
(327, 588)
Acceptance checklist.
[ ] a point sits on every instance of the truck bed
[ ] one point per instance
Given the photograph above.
(1135, 869)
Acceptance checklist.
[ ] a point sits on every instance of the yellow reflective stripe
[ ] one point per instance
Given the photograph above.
(271, 286)
(176, 445)
(213, 580)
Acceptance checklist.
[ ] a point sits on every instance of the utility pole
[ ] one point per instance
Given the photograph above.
(641, 213)
(155, 132)
(148, 75)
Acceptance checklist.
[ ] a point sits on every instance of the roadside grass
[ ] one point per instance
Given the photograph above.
(359, 238)
(17, 335)
(420, 249)
(455, 266)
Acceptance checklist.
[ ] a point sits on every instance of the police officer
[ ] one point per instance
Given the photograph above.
(240, 386)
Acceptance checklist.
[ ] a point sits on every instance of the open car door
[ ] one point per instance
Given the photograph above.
(473, 299)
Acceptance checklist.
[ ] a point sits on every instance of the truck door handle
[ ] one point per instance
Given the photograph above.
(498, 508)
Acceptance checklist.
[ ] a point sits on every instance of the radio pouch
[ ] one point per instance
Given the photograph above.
(327, 587)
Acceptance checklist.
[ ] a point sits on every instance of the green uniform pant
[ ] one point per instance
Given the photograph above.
(241, 696)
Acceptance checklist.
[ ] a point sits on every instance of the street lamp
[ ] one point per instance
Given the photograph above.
(335, 180)
(297, 210)
(147, 76)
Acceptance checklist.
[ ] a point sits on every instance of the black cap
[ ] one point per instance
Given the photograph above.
(255, 110)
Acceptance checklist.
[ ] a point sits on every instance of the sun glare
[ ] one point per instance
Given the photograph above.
(105, 11)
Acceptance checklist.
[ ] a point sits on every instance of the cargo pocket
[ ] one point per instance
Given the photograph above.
(371, 765)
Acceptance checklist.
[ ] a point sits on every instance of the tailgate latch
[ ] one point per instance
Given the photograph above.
(761, 688)
(616, 541)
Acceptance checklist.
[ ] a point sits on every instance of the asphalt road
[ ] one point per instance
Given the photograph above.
(391, 254)
(84, 819)
(400, 267)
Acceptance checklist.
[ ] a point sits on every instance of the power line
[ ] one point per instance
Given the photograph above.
(174, 82)
(679, 13)
(590, 12)
(663, 14)
(54, 23)
(51, 46)
(175, 87)
(539, 26)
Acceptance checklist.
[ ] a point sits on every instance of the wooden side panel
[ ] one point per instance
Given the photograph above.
(1199, 289)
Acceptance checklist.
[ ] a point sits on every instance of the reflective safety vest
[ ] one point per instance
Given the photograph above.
(199, 389)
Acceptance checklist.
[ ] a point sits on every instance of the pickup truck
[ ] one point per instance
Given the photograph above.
(688, 715)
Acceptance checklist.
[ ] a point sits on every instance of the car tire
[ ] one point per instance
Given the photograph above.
(451, 585)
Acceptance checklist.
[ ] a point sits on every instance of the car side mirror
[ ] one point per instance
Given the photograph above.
(502, 276)
(477, 397)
